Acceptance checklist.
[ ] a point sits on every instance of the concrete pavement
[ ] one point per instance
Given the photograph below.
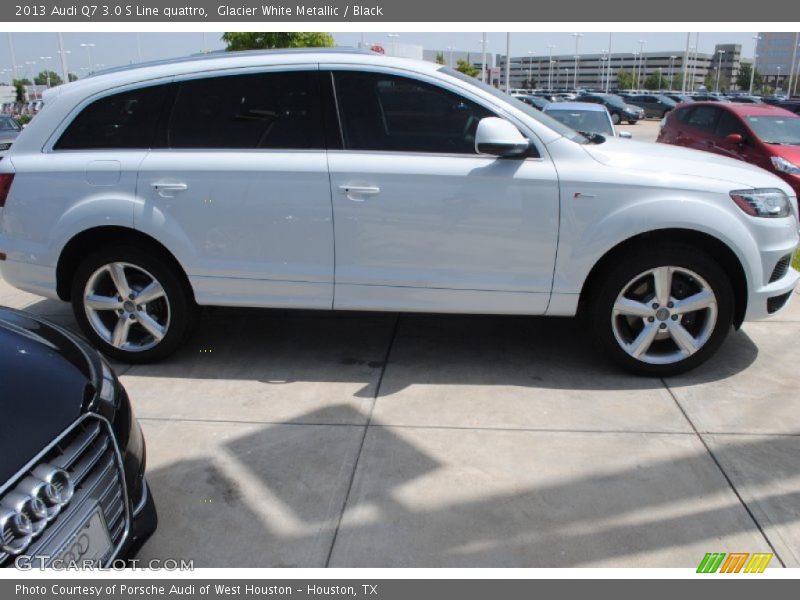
(284, 438)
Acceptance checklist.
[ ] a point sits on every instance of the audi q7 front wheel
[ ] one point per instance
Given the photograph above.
(663, 311)
(131, 305)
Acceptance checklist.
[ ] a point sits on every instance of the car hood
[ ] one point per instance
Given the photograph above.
(674, 160)
(44, 377)
(790, 153)
(633, 108)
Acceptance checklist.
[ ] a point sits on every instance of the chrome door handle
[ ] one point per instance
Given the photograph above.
(354, 191)
(164, 189)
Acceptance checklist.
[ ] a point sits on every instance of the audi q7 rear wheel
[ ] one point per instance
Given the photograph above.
(131, 305)
(664, 311)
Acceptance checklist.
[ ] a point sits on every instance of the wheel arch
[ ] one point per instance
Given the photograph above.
(718, 249)
(89, 240)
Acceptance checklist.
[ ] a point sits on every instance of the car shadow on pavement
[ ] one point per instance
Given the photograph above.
(285, 346)
(281, 495)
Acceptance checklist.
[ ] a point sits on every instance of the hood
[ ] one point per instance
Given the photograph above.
(675, 160)
(790, 153)
(45, 376)
(633, 108)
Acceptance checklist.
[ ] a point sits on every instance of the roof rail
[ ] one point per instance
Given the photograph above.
(225, 53)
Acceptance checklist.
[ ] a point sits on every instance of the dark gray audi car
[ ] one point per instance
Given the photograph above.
(72, 487)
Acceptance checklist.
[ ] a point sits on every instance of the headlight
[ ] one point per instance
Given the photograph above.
(763, 203)
(784, 166)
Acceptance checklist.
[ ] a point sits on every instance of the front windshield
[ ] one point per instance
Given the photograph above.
(8, 124)
(776, 130)
(667, 101)
(589, 121)
(526, 108)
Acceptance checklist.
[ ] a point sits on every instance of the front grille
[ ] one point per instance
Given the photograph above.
(89, 453)
(5, 146)
(776, 303)
(781, 268)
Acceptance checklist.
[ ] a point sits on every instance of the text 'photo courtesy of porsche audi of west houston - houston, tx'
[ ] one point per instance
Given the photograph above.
(331, 179)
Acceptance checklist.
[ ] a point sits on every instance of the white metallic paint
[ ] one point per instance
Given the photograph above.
(442, 233)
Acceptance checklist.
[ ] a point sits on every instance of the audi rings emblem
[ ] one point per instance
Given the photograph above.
(35, 501)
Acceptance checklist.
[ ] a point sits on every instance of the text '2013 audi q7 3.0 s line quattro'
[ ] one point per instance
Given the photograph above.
(347, 180)
(72, 488)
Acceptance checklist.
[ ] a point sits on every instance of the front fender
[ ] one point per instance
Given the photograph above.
(590, 232)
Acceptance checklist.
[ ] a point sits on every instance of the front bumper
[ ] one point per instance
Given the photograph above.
(773, 298)
(144, 521)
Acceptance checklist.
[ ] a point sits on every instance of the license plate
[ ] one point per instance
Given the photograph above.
(90, 542)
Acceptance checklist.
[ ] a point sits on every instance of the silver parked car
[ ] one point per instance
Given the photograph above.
(585, 118)
(9, 130)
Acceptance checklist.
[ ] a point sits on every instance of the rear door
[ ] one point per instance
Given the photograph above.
(699, 128)
(239, 188)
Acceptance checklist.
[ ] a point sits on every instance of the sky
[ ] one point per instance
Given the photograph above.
(114, 49)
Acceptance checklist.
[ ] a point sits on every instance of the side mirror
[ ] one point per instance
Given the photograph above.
(625, 134)
(734, 139)
(498, 137)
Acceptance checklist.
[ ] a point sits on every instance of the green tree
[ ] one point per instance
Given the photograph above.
(439, 58)
(743, 78)
(42, 78)
(19, 90)
(466, 67)
(72, 77)
(259, 40)
(624, 80)
(677, 81)
(655, 81)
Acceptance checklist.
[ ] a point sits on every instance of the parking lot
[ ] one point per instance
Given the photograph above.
(288, 438)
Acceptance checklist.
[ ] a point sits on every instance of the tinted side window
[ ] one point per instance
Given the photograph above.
(124, 120)
(703, 117)
(683, 114)
(263, 110)
(728, 124)
(385, 112)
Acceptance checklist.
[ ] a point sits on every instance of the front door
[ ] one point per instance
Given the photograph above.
(424, 223)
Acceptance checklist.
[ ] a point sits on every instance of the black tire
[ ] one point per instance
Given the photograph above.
(615, 118)
(632, 122)
(182, 309)
(626, 267)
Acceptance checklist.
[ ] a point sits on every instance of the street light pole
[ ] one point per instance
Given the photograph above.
(635, 78)
(550, 69)
(756, 38)
(530, 69)
(46, 60)
(686, 62)
(608, 66)
(89, 54)
(719, 68)
(791, 67)
(483, 59)
(577, 37)
(63, 56)
(671, 69)
(508, 62)
(642, 64)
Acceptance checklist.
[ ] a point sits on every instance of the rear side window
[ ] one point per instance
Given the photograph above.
(263, 110)
(124, 120)
(703, 117)
(390, 113)
(728, 124)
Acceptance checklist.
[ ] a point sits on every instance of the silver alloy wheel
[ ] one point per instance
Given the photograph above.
(126, 306)
(664, 315)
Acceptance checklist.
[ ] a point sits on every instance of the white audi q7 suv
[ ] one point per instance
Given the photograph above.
(347, 180)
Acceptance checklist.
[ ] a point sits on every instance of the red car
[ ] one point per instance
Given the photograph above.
(760, 134)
